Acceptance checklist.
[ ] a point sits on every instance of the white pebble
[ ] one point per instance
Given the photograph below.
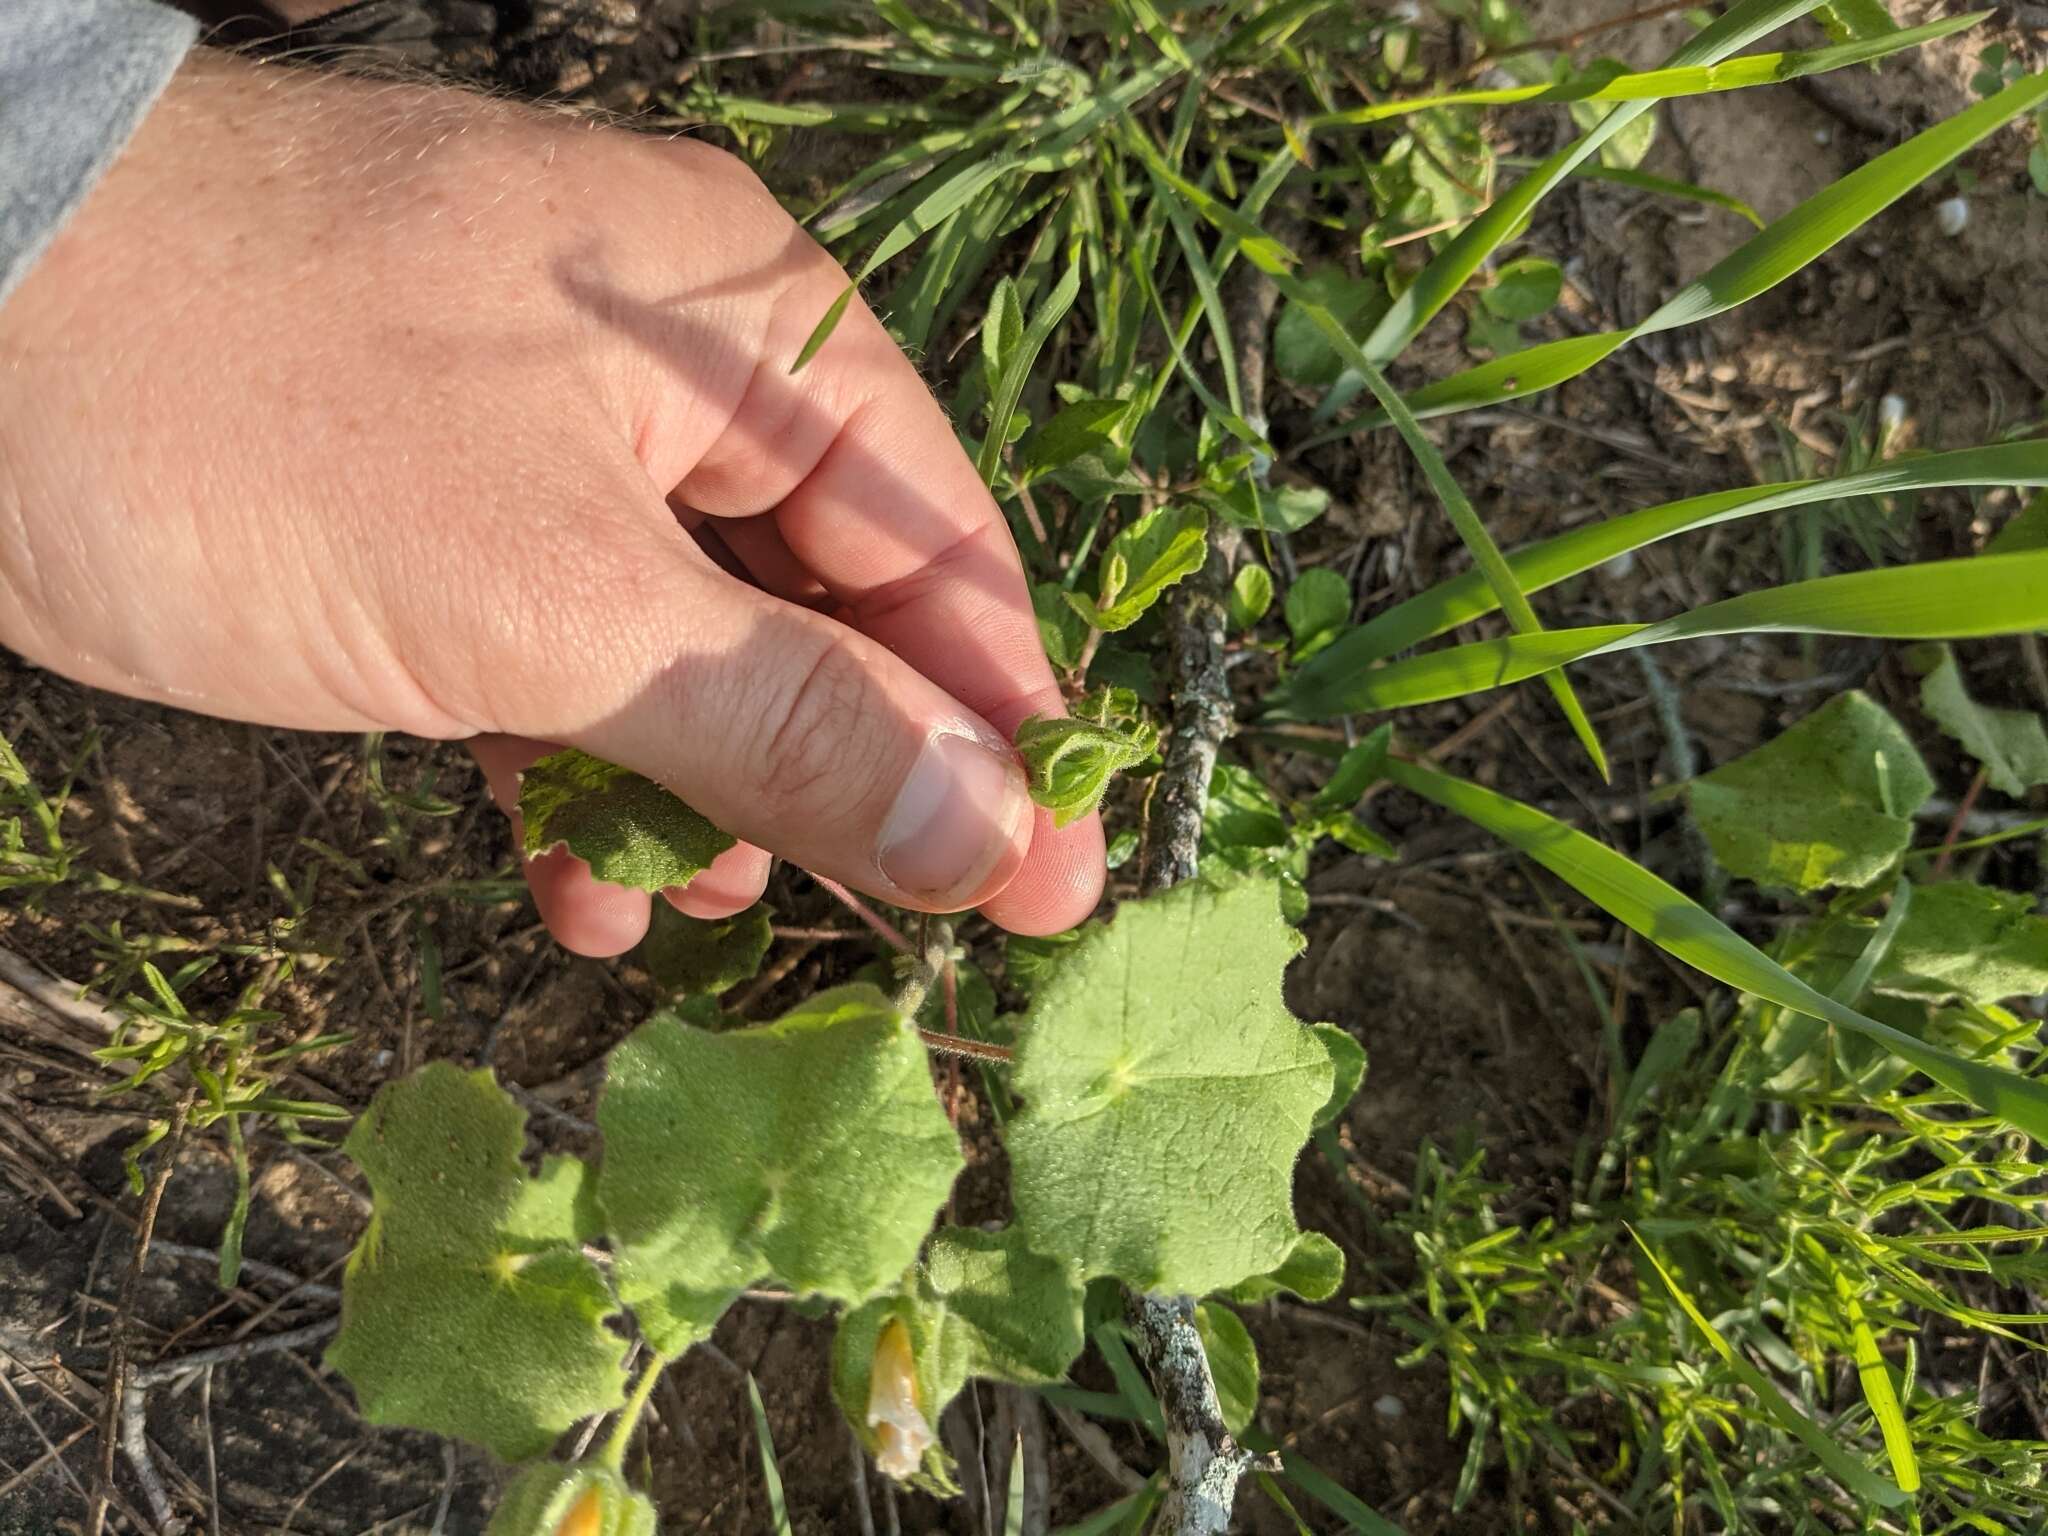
(1951, 214)
(1622, 566)
(1389, 1407)
(383, 1058)
(1823, 135)
(1891, 412)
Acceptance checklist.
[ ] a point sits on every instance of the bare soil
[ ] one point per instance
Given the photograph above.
(1478, 1028)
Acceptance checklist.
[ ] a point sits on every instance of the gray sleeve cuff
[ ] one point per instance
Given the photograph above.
(76, 77)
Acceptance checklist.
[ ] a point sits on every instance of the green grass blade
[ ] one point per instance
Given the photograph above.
(1017, 369)
(1659, 186)
(1465, 519)
(1433, 287)
(1662, 84)
(822, 331)
(1013, 1511)
(1849, 991)
(1204, 278)
(1674, 923)
(1878, 1391)
(1839, 209)
(1466, 596)
(1935, 600)
(771, 1473)
(1843, 1467)
(1784, 246)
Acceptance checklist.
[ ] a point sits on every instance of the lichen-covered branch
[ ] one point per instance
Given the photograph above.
(1201, 721)
(1205, 1463)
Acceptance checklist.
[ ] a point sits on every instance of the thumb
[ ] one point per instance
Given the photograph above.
(796, 733)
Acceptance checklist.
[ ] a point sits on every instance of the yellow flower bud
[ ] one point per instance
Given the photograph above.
(585, 1516)
(901, 1433)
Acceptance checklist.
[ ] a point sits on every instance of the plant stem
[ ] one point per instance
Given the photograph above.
(614, 1453)
(866, 914)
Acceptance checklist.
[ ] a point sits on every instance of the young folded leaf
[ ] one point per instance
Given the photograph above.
(1071, 759)
(1142, 561)
(627, 828)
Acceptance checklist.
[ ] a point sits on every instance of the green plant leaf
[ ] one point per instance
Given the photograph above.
(771, 1468)
(1878, 1390)
(1780, 249)
(1061, 630)
(1006, 389)
(692, 956)
(1828, 802)
(1942, 599)
(2010, 743)
(1312, 1270)
(1606, 80)
(1157, 551)
(1472, 532)
(1069, 760)
(1667, 918)
(1966, 942)
(1002, 329)
(1251, 594)
(468, 1308)
(1233, 1363)
(1318, 604)
(1167, 1093)
(1523, 289)
(1347, 1063)
(1358, 770)
(628, 829)
(552, 1498)
(1467, 596)
(1302, 354)
(1849, 21)
(1737, 27)
(811, 1151)
(1843, 1467)
(1083, 426)
(979, 1304)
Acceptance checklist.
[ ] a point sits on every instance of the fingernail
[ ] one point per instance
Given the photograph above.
(954, 821)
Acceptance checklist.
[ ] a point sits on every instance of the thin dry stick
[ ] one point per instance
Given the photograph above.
(112, 1410)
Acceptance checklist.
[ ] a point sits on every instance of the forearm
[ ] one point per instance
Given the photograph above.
(76, 77)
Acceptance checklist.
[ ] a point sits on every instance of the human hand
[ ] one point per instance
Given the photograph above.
(344, 405)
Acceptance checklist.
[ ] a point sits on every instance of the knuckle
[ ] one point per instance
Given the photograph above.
(816, 757)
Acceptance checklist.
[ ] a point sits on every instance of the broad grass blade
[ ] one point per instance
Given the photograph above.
(1878, 1390)
(1486, 554)
(1433, 287)
(1674, 923)
(1662, 84)
(1935, 600)
(1466, 596)
(1802, 236)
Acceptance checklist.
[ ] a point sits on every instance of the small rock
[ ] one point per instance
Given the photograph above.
(1951, 215)
(1389, 1407)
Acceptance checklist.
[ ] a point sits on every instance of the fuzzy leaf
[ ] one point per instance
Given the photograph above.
(1233, 1363)
(1313, 1270)
(1251, 594)
(587, 1499)
(468, 1308)
(1167, 1092)
(690, 956)
(2010, 743)
(1969, 943)
(628, 829)
(1070, 759)
(980, 1304)
(811, 1151)
(1828, 802)
(1081, 426)
(1143, 560)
